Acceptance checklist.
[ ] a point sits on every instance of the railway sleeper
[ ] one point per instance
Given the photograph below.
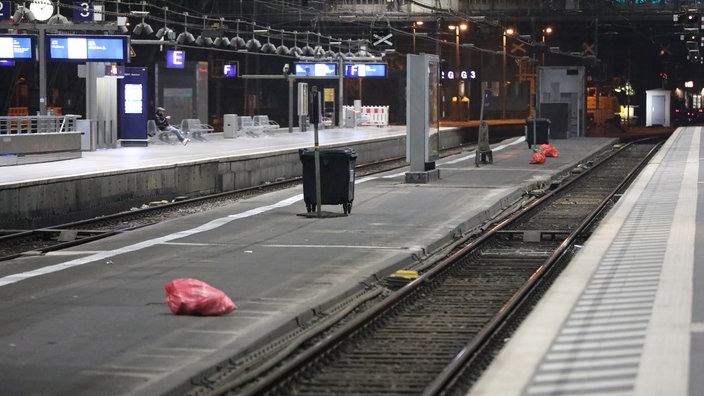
(534, 235)
(68, 235)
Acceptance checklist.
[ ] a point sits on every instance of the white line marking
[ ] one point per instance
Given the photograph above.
(339, 246)
(14, 278)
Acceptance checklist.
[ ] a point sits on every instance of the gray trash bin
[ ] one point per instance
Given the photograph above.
(541, 133)
(336, 177)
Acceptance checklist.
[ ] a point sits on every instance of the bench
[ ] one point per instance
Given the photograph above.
(247, 125)
(195, 128)
(18, 111)
(23, 124)
(154, 132)
(263, 122)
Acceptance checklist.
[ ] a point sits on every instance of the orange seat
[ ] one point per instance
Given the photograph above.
(18, 111)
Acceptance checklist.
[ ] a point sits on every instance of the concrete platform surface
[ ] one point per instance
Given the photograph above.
(212, 146)
(92, 319)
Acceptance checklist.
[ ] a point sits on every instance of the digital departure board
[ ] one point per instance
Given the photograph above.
(357, 70)
(17, 47)
(80, 48)
(316, 69)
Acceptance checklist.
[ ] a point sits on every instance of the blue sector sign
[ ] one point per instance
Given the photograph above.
(230, 70)
(175, 59)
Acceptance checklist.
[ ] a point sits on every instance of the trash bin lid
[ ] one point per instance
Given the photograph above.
(538, 120)
(328, 153)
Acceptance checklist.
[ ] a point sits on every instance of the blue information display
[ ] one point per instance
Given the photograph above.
(316, 69)
(88, 48)
(356, 70)
(16, 47)
(133, 100)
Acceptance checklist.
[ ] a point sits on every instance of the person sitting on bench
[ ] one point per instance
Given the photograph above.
(162, 122)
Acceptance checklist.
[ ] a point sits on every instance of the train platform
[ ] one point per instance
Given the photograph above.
(106, 181)
(210, 147)
(92, 319)
(626, 317)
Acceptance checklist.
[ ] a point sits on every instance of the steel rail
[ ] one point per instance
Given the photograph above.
(289, 367)
(466, 355)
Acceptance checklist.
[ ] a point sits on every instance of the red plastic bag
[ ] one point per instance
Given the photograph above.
(188, 296)
(549, 150)
(538, 158)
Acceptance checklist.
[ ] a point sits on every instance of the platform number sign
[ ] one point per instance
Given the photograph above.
(5, 10)
(82, 11)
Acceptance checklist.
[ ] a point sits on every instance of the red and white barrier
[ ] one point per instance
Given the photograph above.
(365, 116)
(375, 115)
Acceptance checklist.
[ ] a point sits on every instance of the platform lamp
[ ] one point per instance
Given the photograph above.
(330, 53)
(363, 53)
(307, 50)
(268, 48)
(23, 12)
(296, 50)
(166, 33)
(58, 19)
(185, 37)
(253, 44)
(204, 40)
(283, 49)
(507, 33)
(142, 27)
(221, 41)
(416, 24)
(237, 42)
(349, 54)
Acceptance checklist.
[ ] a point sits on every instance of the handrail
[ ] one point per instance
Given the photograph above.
(20, 125)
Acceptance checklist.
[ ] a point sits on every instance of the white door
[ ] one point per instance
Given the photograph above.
(658, 110)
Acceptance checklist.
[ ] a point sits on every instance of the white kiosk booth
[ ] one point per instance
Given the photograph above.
(422, 140)
(657, 107)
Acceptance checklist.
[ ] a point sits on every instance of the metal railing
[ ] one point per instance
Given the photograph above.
(19, 125)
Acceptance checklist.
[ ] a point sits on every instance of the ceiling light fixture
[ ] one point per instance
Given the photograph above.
(237, 42)
(59, 19)
(166, 33)
(142, 27)
(185, 37)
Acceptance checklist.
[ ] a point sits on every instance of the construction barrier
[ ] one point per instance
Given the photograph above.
(375, 115)
(367, 115)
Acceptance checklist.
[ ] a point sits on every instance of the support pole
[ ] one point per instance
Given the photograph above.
(42, 71)
(290, 104)
(315, 119)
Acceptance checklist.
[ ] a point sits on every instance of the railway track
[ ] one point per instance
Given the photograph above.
(435, 334)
